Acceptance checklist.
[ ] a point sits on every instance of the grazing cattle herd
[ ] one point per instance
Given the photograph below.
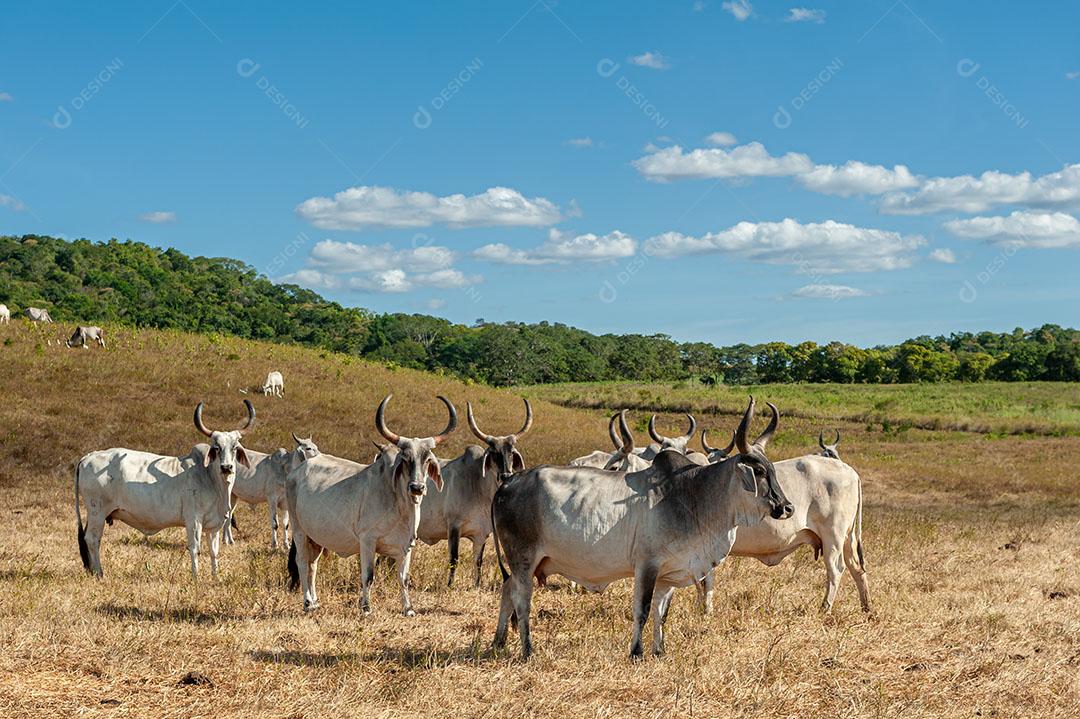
(663, 515)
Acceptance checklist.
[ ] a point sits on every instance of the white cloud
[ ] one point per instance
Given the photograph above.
(6, 97)
(12, 202)
(752, 160)
(978, 194)
(857, 178)
(379, 268)
(369, 206)
(158, 217)
(435, 303)
(699, 5)
(828, 292)
(817, 248)
(721, 138)
(654, 60)
(1021, 229)
(741, 9)
(802, 14)
(580, 142)
(562, 248)
(1072, 75)
(943, 255)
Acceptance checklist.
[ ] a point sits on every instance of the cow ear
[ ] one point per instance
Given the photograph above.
(241, 457)
(435, 474)
(211, 455)
(488, 461)
(749, 479)
(518, 462)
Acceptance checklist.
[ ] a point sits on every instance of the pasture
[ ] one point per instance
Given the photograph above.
(971, 540)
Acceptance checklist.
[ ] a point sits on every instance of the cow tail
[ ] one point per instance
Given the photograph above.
(84, 551)
(495, 539)
(857, 529)
(294, 571)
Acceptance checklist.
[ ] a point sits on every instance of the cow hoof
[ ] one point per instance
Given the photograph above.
(410, 613)
(366, 611)
(310, 607)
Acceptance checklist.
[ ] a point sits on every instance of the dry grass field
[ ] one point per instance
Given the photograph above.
(972, 548)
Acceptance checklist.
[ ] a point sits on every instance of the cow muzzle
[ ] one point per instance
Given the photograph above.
(226, 470)
(416, 489)
(782, 511)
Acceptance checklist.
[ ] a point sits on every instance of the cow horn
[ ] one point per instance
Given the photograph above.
(731, 445)
(652, 430)
(744, 426)
(612, 433)
(837, 437)
(198, 420)
(380, 421)
(764, 437)
(693, 428)
(295, 438)
(451, 425)
(627, 437)
(250, 418)
(472, 424)
(528, 418)
(705, 442)
(821, 439)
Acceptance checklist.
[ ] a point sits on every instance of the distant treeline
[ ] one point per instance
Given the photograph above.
(135, 284)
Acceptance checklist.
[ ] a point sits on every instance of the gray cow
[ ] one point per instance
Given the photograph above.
(666, 527)
(84, 335)
(349, 508)
(36, 314)
(829, 450)
(463, 508)
(5, 315)
(263, 482)
(151, 492)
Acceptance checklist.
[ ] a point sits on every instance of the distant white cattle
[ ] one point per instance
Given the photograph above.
(5, 314)
(275, 385)
(151, 492)
(36, 314)
(84, 335)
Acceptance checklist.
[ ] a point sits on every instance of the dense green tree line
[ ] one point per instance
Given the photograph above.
(135, 284)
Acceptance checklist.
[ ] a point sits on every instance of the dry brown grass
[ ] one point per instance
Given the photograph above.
(972, 547)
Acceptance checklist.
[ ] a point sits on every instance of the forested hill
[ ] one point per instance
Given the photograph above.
(135, 284)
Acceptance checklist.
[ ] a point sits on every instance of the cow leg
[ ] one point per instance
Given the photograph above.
(307, 565)
(661, 603)
(273, 509)
(644, 585)
(403, 563)
(233, 503)
(367, 576)
(478, 545)
(215, 546)
(834, 569)
(506, 608)
(194, 537)
(95, 526)
(858, 574)
(283, 512)
(705, 592)
(453, 539)
(521, 595)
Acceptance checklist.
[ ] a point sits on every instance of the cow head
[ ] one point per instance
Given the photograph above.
(758, 473)
(829, 450)
(225, 448)
(305, 450)
(501, 453)
(621, 458)
(716, 454)
(676, 443)
(415, 461)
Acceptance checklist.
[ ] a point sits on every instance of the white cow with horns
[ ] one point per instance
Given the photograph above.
(151, 492)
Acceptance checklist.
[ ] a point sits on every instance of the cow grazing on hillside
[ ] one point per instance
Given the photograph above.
(274, 384)
(349, 508)
(666, 527)
(84, 335)
(151, 492)
(36, 314)
(5, 314)
(463, 508)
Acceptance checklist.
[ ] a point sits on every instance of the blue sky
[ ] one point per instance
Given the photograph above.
(715, 171)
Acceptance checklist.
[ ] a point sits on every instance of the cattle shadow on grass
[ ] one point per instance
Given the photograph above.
(185, 615)
(429, 657)
(301, 659)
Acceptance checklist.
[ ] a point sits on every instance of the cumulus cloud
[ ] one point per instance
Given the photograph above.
(385, 207)
(943, 255)
(1072, 75)
(379, 268)
(562, 248)
(12, 202)
(158, 218)
(857, 178)
(828, 292)
(977, 194)
(721, 138)
(817, 248)
(654, 60)
(435, 303)
(752, 160)
(802, 14)
(1021, 229)
(580, 142)
(741, 9)
(6, 97)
